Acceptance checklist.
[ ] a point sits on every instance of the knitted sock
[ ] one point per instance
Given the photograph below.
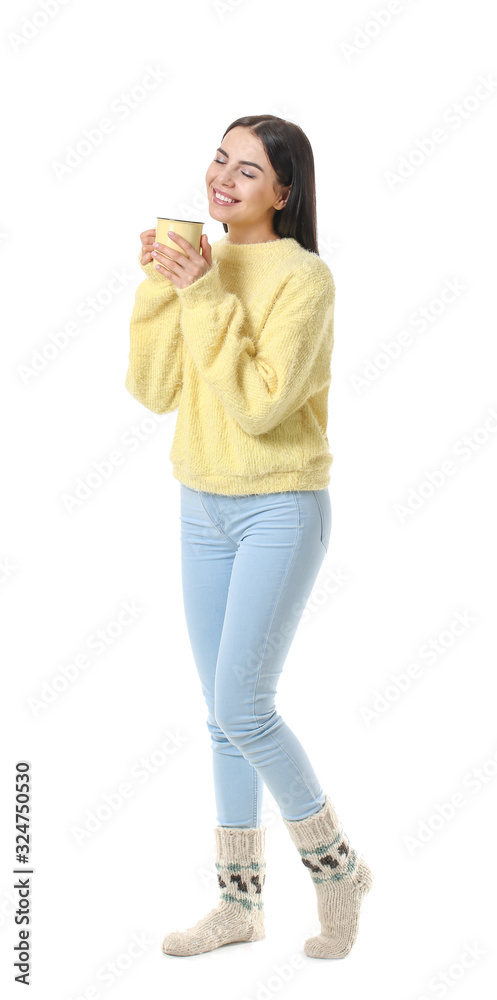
(239, 915)
(341, 878)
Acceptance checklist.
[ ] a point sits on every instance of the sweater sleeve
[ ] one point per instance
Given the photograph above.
(261, 384)
(155, 362)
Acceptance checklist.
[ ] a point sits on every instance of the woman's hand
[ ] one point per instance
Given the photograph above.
(180, 269)
(147, 239)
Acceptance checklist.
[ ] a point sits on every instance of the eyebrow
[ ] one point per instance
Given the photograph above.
(248, 162)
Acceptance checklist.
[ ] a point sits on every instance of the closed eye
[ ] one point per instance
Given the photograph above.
(244, 172)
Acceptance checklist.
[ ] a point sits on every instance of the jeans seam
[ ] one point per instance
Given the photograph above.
(218, 526)
(322, 519)
(261, 658)
(295, 497)
(254, 797)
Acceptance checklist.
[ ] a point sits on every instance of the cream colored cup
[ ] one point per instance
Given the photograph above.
(191, 231)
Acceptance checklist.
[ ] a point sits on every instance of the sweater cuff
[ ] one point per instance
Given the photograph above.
(206, 290)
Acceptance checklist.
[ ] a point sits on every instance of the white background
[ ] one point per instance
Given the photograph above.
(67, 570)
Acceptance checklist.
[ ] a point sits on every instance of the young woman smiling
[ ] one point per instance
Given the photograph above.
(239, 338)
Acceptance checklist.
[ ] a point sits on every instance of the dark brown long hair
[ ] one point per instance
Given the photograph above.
(290, 155)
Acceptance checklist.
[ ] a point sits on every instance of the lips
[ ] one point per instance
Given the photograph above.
(236, 201)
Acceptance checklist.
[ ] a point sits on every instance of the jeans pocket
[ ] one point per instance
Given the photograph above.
(323, 501)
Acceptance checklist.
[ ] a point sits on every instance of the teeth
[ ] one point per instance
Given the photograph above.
(221, 197)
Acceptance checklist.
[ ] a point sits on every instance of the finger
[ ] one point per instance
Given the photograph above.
(161, 258)
(147, 232)
(173, 259)
(164, 268)
(182, 242)
(146, 255)
(175, 269)
(164, 249)
(166, 271)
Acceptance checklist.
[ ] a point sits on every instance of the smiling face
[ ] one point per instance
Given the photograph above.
(252, 184)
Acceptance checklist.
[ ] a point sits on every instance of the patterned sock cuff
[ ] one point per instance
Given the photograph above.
(242, 883)
(240, 865)
(322, 844)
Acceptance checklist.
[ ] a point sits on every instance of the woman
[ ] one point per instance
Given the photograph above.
(239, 339)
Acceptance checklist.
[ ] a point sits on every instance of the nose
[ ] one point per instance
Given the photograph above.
(224, 179)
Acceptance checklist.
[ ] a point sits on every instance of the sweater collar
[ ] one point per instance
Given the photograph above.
(266, 249)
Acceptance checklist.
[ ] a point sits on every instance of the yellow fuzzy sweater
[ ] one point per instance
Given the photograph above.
(243, 354)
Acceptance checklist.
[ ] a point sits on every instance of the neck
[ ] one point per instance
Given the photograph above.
(235, 235)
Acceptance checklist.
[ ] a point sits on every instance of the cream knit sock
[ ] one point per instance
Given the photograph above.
(341, 878)
(239, 916)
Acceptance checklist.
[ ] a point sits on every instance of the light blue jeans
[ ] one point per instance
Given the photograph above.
(248, 567)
